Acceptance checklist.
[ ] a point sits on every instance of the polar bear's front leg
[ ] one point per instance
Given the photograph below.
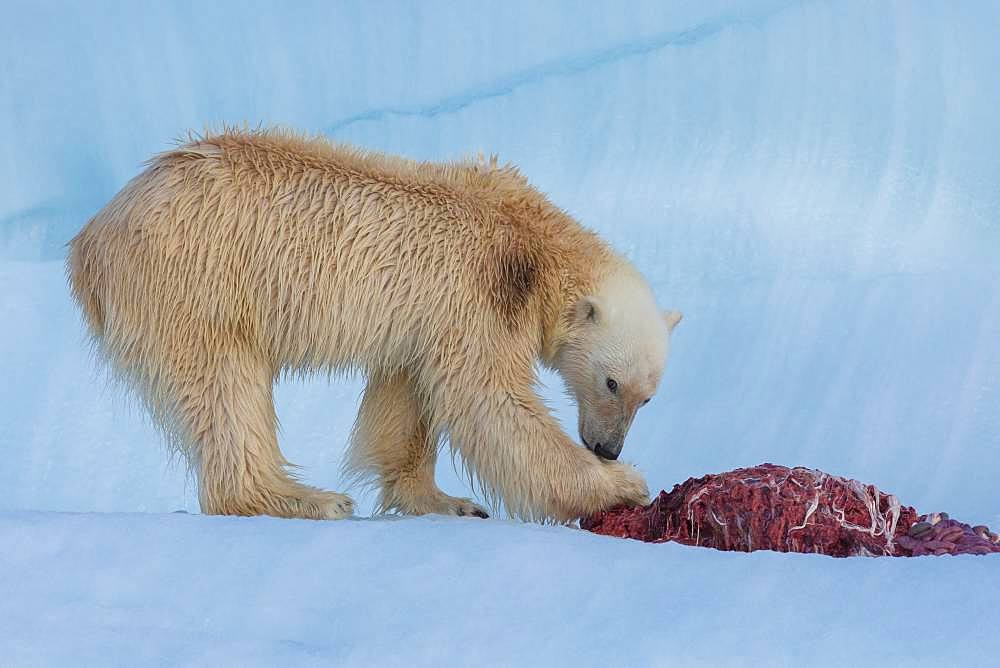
(519, 452)
(392, 443)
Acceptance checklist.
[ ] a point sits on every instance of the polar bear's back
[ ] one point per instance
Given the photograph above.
(321, 255)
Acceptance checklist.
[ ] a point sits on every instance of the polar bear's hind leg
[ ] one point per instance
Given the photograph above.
(224, 409)
(393, 444)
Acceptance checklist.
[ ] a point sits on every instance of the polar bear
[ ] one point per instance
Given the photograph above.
(244, 255)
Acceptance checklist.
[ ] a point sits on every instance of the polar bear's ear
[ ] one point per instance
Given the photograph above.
(588, 309)
(672, 318)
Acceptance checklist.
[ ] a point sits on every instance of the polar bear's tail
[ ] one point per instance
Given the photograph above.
(82, 278)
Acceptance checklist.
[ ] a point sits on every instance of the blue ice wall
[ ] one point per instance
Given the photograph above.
(815, 184)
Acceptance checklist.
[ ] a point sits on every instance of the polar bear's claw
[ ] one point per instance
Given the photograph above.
(437, 502)
(467, 508)
(337, 506)
(462, 508)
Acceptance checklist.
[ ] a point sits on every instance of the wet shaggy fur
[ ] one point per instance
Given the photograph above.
(241, 256)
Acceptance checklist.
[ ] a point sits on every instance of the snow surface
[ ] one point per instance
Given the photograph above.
(134, 589)
(813, 183)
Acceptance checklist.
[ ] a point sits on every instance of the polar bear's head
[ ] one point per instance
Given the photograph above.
(614, 357)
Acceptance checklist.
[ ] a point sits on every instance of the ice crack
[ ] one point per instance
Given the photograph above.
(563, 67)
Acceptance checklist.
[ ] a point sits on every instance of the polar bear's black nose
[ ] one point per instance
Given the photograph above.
(606, 453)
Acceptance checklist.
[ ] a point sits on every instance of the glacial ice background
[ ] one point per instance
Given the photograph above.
(814, 184)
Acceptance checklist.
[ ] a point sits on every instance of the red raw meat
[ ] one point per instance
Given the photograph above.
(770, 507)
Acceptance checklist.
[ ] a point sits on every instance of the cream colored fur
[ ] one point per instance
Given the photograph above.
(620, 336)
(241, 256)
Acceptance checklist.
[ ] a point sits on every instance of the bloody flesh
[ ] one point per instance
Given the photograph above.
(770, 507)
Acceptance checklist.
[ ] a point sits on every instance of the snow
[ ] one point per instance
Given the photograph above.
(812, 183)
(135, 589)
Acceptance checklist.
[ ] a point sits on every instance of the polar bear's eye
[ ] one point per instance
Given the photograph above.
(612, 385)
(645, 402)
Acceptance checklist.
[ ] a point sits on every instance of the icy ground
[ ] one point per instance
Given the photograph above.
(814, 183)
(136, 589)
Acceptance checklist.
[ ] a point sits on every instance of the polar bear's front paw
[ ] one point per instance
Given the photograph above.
(628, 486)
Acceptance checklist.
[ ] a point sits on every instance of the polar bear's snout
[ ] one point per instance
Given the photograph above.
(605, 448)
(607, 453)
